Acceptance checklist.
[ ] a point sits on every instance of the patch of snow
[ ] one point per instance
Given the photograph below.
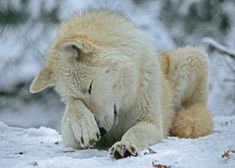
(42, 148)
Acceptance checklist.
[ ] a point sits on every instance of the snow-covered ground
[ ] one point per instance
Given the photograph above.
(42, 148)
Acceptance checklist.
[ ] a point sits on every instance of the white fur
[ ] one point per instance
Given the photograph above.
(107, 73)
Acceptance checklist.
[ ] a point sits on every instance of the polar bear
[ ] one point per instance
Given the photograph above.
(118, 91)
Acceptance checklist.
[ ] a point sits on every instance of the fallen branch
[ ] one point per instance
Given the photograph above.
(220, 48)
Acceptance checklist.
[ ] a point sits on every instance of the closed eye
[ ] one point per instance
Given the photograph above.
(90, 88)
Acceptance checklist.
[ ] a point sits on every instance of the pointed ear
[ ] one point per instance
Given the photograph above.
(42, 80)
(75, 45)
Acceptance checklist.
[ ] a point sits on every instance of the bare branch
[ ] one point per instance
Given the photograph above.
(220, 48)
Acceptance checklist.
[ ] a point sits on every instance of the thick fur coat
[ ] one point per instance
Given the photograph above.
(118, 91)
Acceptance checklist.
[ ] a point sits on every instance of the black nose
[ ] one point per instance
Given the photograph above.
(102, 131)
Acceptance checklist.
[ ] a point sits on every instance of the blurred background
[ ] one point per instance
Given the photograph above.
(27, 27)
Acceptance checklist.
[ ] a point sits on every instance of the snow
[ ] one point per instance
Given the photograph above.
(42, 148)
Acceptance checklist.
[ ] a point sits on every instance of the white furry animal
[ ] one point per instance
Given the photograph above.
(118, 92)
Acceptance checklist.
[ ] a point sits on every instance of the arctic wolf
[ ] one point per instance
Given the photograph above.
(118, 91)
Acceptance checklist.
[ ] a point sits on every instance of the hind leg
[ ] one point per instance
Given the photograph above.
(193, 119)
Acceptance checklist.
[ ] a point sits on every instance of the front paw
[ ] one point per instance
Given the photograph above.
(123, 149)
(68, 137)
(85, 129)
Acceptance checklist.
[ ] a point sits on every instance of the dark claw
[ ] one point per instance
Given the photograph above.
(98, 135)
(112, 149)
(117, 155)
(82, 140)
(133, 149)
(127, 154)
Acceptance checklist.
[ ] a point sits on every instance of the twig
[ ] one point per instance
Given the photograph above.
(230, 65)
(220, 48)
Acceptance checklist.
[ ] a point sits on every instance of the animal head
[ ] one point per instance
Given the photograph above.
(95, 59)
